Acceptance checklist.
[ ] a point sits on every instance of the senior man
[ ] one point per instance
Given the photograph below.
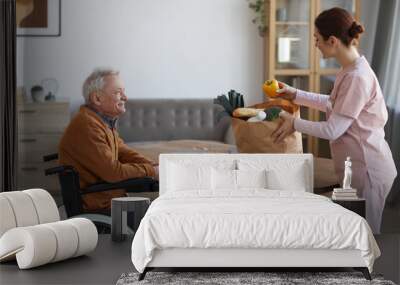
(91, 143)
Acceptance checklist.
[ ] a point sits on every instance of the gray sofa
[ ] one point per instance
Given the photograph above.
(154, 126)
(172, 119)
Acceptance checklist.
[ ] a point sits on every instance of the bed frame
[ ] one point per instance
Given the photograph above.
(242, 259)
(245, 259)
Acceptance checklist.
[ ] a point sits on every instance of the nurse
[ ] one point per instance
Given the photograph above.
(355, 111)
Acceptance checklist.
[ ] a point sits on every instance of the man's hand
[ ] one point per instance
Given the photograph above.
(285, 129)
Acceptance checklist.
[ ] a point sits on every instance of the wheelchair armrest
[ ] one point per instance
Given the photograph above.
(101, 187)
(58, 169)
(50, 157)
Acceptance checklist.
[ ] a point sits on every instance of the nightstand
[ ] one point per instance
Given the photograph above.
(356, 205)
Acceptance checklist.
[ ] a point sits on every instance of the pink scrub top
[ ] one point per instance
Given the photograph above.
(357, 94)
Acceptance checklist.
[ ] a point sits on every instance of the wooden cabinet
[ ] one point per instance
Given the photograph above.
(291, 55)
(40, 127)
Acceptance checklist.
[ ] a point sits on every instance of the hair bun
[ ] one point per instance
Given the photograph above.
(355, 30)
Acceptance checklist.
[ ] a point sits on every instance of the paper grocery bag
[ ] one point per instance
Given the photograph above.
(256, 138)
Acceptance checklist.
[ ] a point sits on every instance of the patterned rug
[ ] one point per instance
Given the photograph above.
(244, 278)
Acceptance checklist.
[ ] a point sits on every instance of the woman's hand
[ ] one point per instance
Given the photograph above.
(286, 92)
(285, 129)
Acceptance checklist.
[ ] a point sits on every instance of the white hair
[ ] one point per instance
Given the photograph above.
(95, 81)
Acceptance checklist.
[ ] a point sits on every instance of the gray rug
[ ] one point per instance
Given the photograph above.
(243, 278)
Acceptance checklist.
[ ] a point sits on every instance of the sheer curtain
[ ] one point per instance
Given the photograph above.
(8, 125)
(386, 63)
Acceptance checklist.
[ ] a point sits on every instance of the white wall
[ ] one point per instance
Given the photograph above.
(163, 48)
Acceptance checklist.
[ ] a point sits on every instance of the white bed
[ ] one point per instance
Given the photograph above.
(247, 210)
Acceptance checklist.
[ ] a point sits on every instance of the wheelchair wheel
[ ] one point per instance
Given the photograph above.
(103, 228)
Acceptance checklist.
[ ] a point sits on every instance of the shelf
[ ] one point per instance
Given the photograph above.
(291, 23)
(328, 71)
(292, 57)
(293, 71)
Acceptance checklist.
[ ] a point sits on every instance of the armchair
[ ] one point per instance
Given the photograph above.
(31, 231)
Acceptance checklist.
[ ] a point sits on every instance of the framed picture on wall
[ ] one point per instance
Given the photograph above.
(38, 18)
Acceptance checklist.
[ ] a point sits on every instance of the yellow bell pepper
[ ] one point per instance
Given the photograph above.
(270, 87)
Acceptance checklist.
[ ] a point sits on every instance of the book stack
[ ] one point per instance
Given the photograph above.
(344, 194)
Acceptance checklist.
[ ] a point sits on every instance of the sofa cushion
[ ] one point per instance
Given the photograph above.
(26, 208)
(8, 220)
(152, 149)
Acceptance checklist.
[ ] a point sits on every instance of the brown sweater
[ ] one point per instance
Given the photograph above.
(99, 154)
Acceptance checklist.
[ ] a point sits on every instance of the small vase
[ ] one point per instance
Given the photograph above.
(37, 93)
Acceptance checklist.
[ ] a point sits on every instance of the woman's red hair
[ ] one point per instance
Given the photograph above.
(339, 23)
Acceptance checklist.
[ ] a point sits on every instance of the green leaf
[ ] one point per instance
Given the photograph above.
(224, 102)
(272, 113)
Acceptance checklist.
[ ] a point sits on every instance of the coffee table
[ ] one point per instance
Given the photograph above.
(120, 207)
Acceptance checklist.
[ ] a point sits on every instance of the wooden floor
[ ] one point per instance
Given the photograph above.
(110, 260)
(391, 218)
(103, 266)
(389, 262)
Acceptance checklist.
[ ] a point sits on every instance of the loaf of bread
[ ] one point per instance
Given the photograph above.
(246, 112)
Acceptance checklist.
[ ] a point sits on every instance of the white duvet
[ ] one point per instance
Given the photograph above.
(250, 219)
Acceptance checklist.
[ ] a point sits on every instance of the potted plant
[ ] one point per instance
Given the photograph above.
(258, 6)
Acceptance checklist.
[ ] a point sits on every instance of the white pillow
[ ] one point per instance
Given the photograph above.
(223, 179)
(226, 179)
(280, 174)
(292, 178)
(251, 179)
(183, 177)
